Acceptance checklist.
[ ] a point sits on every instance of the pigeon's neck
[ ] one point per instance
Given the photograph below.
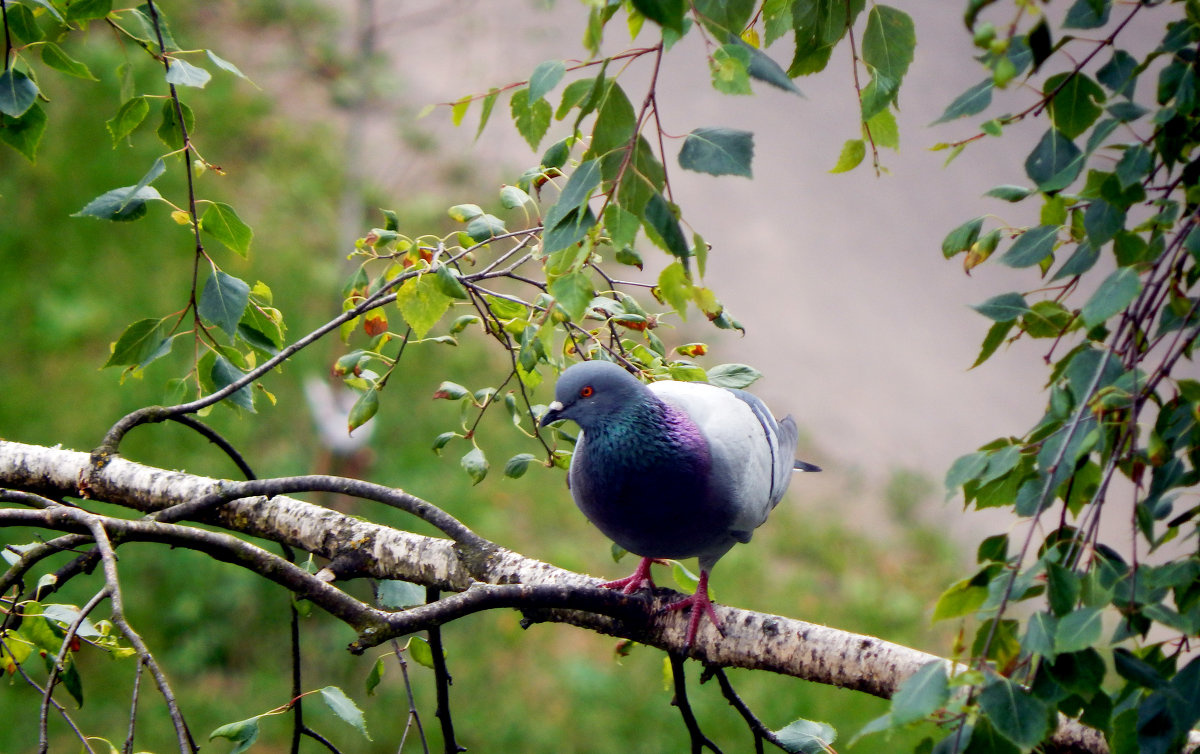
(647, 433)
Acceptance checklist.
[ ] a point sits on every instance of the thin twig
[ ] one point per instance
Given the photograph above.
(698, 739)
(450, 745)
(414, 717)
(757, 727)
(109, 560)
(133, 705)
(60, 663)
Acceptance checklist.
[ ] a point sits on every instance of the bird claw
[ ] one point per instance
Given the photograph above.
(639, 579)
(700, 605)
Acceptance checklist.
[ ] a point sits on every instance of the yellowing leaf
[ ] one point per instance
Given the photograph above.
(853, 152)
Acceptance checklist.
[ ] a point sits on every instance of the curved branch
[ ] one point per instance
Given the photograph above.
(752, 640)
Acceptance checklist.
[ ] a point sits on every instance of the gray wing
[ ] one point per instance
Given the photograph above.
(781, 437)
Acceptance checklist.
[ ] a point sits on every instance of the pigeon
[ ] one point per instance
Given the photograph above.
(672, 469)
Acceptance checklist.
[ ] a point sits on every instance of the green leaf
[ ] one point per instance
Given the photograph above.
(489, 102)
(573, 292)
(853, 152)
(575, 94)
(485, 227)
(516, 466)
(475, 464)
(17, 93)
(54, 57)
(1087, 14)
(1003, 308)
(763, 68)
(24, 134)
(532, 118)
(1136, 670)
(512, 197)
(575, 194)
(1076, 106)
(422, 303)
(1117, 291)
(674, 287)
(718, 151)
(1120, 74)
(87, 10)
(888, 44)
(375, 677)
(961, 238)
(806, 737)
(1010, 193)
(1133, 165)
(615, 121)
(996, 335)
(183, 73)
(733, 375)
(458, 110)
(363, 409)
(224, 374)
(1055, 162)
(730, 69)
(545, 77)
(243, 734)
(1016, 715)
(685, 580)
(1034, 245)
(962, 598)
(663, 227)
(120, 204)
(921, 694)
(22, 24)
(449, 284)
(394, 594)
(465, 212)
(223, 300)
(974, 100)
(420, 651)
(1039, 635)
(345, 708)
(884, 130)
(224, 65)
(140, 343)
(666, 13)
(153, 25)
(1078, 630)
(129, 117)
(569, 230)
(450, 391)
(222, 223)
(169, 130)
(622, 225)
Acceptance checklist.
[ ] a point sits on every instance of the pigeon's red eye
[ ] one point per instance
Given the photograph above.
(586, 391)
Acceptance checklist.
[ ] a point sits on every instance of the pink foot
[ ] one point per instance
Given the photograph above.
(639, 579)
(700, 605)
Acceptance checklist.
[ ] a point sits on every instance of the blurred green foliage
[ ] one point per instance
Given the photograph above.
(71, 285)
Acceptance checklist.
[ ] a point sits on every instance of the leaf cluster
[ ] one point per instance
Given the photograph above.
(1113, 269)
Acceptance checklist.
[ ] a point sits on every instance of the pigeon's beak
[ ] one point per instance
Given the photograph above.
(553, 414)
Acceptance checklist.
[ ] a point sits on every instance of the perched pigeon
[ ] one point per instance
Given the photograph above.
(672, 469)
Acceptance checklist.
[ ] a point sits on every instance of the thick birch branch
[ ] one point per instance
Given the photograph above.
(483, 574)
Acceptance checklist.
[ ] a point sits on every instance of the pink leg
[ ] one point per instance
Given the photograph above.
(700, 605)
(639, 579)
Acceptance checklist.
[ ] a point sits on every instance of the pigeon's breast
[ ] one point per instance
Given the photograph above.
(646, 483)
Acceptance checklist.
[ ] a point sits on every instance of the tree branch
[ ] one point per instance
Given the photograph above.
(488, 576)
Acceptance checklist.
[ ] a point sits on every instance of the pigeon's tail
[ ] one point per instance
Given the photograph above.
(805, 466)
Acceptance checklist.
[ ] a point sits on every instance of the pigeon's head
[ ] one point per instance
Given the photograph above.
(591, 392)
